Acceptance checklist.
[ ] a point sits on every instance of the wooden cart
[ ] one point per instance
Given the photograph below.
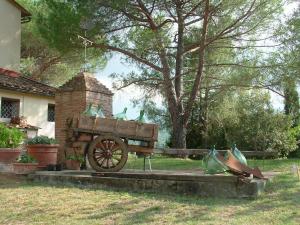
(108, 141)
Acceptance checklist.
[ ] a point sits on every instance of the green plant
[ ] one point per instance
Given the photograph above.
(26, 159)
(10, 137)
(41, 140)
(295, 133)
(76, 158)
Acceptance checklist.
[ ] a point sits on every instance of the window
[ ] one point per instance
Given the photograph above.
(51, 112)
(10, 107)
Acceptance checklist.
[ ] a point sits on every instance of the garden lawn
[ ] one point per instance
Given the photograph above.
(23, 202)
(166, 163)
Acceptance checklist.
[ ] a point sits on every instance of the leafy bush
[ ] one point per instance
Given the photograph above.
(10, 137)
(252, 123)
(247, 119)
(44, 140)
(295, 133)
(26, 159)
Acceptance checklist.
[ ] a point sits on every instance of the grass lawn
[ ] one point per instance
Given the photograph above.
(165, 163)
(23, 202)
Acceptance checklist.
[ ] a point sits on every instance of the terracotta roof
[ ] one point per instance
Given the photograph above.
(14, 81)
(87, 82)
(24, 12)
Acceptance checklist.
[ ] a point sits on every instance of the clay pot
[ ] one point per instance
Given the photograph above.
(72, 164)
(25, 168)
(9, 155)
(44, 154)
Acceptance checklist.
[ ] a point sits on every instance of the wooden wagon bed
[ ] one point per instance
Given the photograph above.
(107, 141)
(123, 129)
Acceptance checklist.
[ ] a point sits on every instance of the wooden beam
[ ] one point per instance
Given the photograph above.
(140, 149)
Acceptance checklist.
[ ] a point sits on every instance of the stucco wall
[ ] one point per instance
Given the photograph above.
(10, 36)
(35, 109)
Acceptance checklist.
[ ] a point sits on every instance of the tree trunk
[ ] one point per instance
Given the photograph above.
(179, 134)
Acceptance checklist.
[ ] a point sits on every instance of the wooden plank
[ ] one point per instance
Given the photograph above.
(132, 129)
(85, 137)
(141, 149)
(96, 132)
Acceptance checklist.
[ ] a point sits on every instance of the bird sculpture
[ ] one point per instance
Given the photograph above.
(141, 118)
(122, 115)
(89, 111)
(100, 113)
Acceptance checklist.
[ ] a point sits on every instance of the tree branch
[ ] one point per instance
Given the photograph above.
(138, 81)
(228, 29)
(267, 87)
(129, 54)
(199, 74)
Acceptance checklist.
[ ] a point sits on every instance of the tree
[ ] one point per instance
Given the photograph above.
(291, 48)
(45, 63)
(248, 119)
(285, 78)
(160, 38)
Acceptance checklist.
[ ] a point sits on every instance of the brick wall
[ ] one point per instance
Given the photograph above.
(72, 99)
(99, 98)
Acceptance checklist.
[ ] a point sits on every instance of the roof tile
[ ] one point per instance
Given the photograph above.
(11, 80)
(85, 82)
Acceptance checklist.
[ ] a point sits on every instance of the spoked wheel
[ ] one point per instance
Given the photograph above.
(107, 154)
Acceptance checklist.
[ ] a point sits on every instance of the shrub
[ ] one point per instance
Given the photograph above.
(247, 119)
(41, 140)
(10, 137)
(26, 159)
(295, 133)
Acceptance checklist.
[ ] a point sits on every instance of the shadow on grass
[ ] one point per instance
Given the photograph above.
(283, 191)
(283, 195)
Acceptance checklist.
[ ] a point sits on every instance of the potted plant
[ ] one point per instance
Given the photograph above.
(43, 149)
(25, 165)
(74, 162)
(10, 139)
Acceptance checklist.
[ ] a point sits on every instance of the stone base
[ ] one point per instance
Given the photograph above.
(7, 168)
(224, 186)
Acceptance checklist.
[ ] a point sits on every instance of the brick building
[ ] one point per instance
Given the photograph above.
(73, 97)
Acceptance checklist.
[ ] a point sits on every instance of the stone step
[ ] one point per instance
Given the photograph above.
(174, 182)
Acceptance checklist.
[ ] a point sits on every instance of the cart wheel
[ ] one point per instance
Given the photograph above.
(107, 154)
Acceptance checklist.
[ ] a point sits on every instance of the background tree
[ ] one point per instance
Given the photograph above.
(45, 63)
(160, 38)
(290, 36)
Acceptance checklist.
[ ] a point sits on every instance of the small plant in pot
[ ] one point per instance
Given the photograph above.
(43, 149)
(10, 140)
(25, 165)
(74, 162)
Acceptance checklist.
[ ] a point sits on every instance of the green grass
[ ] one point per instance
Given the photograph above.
(23, 202)
(165, 163)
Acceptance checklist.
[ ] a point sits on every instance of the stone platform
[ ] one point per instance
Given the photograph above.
(6, 168)
(160, 181)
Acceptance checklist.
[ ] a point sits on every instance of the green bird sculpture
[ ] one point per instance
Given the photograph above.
(122, 115)
(100, 113)
(89, 111)
(141, 118)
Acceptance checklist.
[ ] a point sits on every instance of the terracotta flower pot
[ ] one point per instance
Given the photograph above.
(25, 168)
(9, 155)
(72, 164)
(44, 154)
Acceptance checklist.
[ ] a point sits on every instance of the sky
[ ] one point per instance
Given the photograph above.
(122, 98)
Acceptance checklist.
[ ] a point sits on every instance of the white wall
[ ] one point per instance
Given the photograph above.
(34, 108)
(10, 36)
